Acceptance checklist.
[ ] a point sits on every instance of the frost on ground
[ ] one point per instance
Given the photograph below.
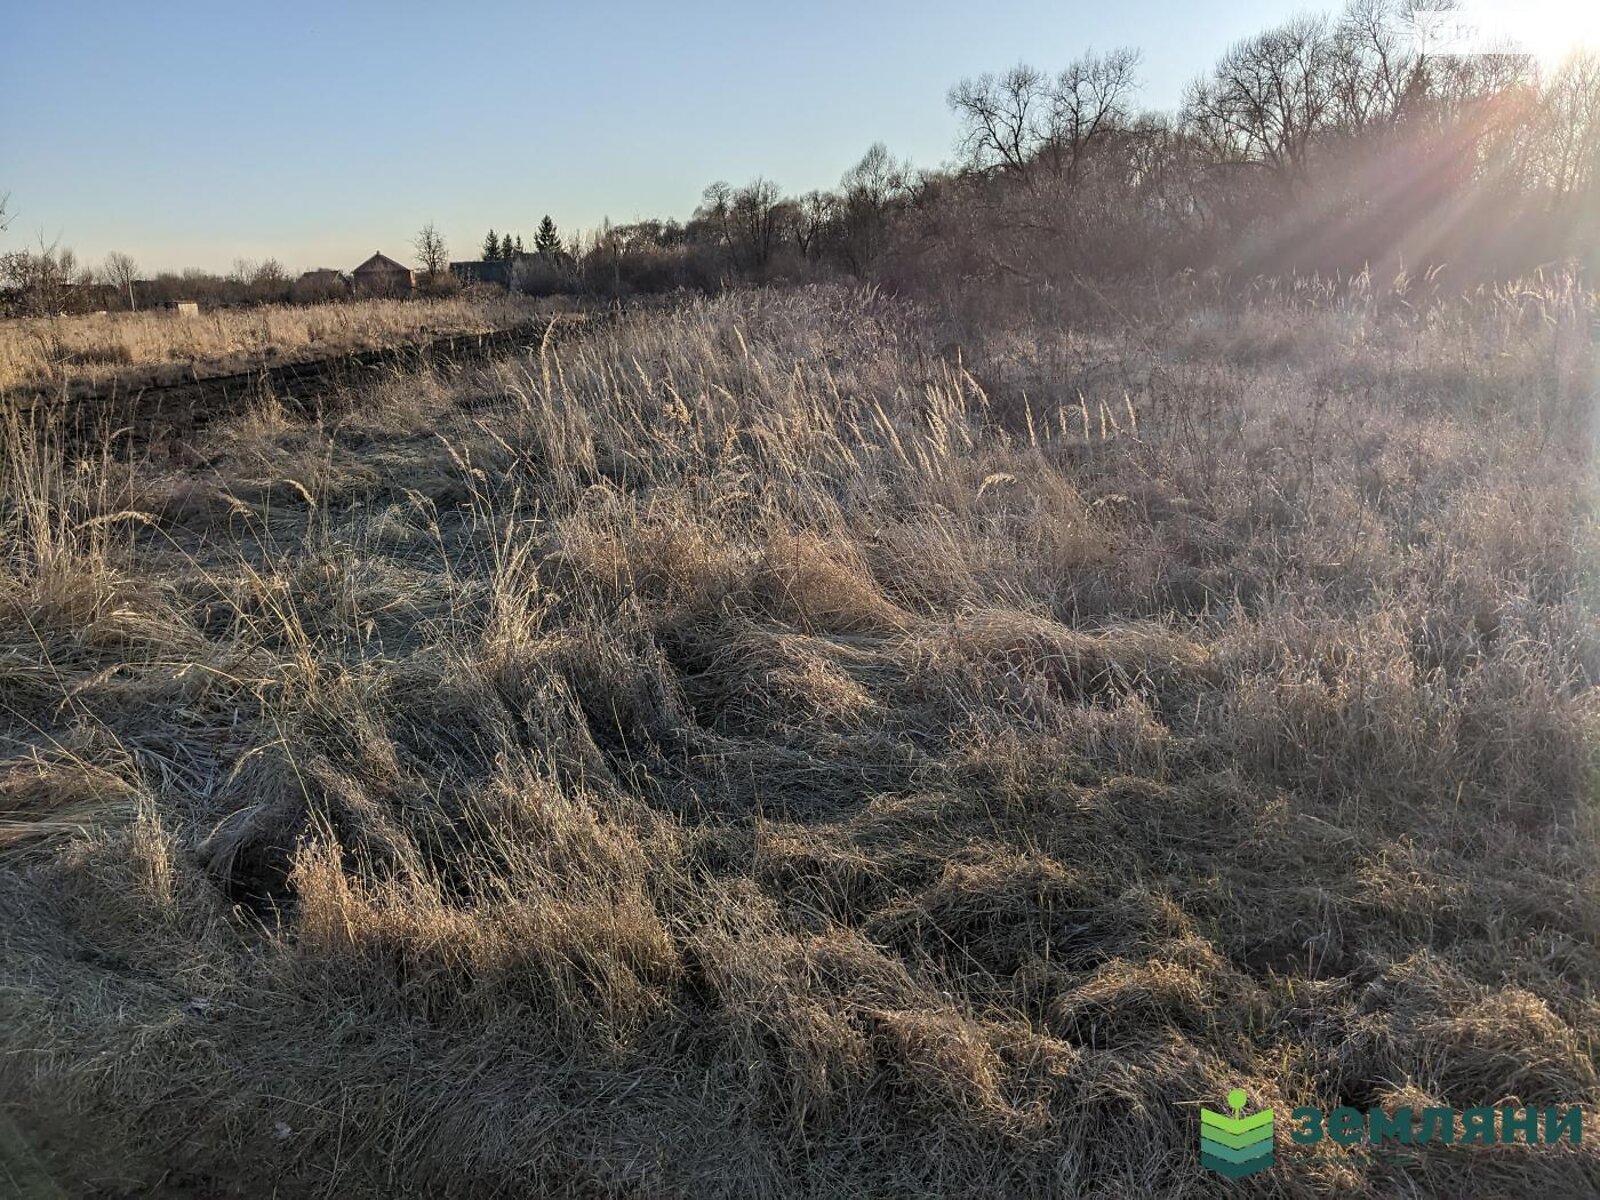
(755, 750)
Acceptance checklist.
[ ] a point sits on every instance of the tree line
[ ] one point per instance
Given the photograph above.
(547, 245)
(1332, 144)
(49, 279)
(1349, 142)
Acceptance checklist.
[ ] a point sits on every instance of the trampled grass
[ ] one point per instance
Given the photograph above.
(752, 750)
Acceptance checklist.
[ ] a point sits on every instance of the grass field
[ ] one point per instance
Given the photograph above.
(147, 347)
(757, 750)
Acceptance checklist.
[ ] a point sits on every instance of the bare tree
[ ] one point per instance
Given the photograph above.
(756, 215)
(1267, 99)
(716, 213)
(869, 193)
(46, 282)
(1088, 103)
(1374, 67)
(1004, 118)
(810, 217)
(432, 253)
(120, 271)
(1382, 66)
(1569, 134)
(269, 282)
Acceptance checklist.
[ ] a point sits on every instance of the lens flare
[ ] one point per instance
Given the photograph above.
(1551, 30)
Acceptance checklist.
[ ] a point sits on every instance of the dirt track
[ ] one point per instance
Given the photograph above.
(152, 412)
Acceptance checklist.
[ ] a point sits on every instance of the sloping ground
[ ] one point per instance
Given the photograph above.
(744, 753)
(164, 419)
(106, 353)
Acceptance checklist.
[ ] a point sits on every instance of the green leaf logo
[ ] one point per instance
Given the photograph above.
(1236, 1146)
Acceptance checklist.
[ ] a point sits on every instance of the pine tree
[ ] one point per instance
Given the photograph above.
(491, 247)
(547, 243)
(519, 245)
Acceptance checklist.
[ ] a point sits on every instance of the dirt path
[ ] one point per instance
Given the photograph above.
(152, 412)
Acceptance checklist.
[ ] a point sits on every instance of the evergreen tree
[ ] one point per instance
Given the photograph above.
(519, 245)
(547, 243)
(491, 247)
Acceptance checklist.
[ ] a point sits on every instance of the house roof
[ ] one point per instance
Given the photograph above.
(380, 262)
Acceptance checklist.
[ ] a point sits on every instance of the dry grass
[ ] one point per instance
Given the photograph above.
(742, 752)
(155, 346)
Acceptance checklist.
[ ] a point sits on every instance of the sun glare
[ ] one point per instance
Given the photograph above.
(1551, 30)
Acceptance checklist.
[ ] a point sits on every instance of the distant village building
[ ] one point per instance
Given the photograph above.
(323, 277)
(322, 284)
(498, 271)
(380, 275)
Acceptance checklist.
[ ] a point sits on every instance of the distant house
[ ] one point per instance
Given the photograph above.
(323, 277)
(322, 284)
(380, 275)
(498, 271)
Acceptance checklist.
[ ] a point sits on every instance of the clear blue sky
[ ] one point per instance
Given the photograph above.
(189, 134)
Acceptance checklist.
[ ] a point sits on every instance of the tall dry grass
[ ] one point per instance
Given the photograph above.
(96, 350)
(742, 751)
